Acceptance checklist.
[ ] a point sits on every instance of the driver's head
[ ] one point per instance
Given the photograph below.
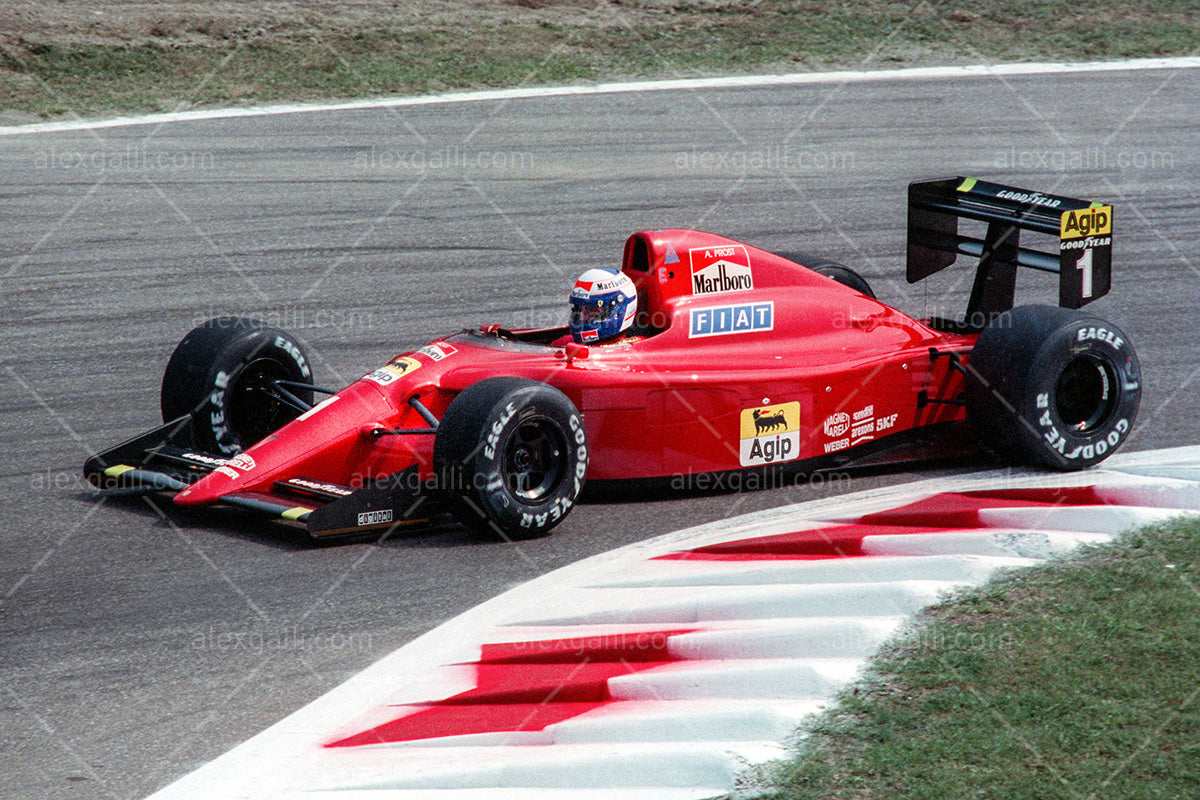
(603, 304)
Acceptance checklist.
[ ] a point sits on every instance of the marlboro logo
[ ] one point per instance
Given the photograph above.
(720, 269)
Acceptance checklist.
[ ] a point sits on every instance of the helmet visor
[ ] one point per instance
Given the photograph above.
(589, 314)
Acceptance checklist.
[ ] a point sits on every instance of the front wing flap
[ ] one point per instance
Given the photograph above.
(165, 460)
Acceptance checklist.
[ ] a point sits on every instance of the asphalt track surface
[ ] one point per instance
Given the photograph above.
(137, 645)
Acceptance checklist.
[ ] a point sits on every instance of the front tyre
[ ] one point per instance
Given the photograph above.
(224, 373)
(511, 456)
(1053, 387)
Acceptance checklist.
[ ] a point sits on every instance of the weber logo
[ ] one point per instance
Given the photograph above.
(716, 270)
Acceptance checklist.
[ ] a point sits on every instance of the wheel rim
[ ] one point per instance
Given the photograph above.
(533, 459)
(1084, 394)
(254, 411)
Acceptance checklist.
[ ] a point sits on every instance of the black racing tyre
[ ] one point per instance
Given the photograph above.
(1052, 387)
(222, 374)
(832, 269)
(511, 456)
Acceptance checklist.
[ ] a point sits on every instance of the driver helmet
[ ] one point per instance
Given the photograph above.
(603, 304)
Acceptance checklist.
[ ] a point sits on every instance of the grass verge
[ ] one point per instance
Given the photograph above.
(1077, 678)
(53, 70)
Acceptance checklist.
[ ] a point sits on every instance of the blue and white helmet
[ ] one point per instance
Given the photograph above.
(603, 304)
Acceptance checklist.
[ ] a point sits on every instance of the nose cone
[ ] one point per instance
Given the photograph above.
(322, 440)
(234, 475)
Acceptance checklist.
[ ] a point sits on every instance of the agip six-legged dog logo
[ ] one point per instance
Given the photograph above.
(770, 434)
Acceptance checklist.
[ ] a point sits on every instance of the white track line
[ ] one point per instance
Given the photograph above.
(685, 84)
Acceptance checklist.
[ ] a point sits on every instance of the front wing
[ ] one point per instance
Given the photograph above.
(166, 460)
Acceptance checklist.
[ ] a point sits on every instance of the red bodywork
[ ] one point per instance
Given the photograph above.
(751, 361)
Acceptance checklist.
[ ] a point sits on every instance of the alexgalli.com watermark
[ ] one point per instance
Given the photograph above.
(450, 157)
(292, 319)
(1081, 158)
(134, 158)
(280, 640)
(773, 159)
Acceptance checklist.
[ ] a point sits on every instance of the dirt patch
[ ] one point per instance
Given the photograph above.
(217, 23)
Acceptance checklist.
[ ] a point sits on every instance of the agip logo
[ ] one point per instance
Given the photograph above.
(770, 435)
(1083, 222)
(397, 369)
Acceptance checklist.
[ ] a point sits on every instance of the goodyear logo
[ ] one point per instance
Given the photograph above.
(735, 318)
(1083, 222)
(770, 434)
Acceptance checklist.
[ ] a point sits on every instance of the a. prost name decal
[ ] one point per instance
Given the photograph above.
(716, 270)
(734, 318)
(397, 369)
(770, 434)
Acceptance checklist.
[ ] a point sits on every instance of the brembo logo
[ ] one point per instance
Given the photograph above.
(720, 269)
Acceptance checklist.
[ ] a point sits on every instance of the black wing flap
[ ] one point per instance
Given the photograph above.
(163, 459)
(398, 500)
(1083, 229)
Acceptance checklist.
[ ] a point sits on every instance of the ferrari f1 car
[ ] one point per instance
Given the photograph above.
(744, 360)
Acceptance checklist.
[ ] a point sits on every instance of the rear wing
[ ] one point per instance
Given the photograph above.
(1082, 259)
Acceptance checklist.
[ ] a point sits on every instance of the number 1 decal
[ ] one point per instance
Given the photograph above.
(1084, 265)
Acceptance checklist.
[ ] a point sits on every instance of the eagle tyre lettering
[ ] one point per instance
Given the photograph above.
(493, 439)
(1053, 387)
(222, 374)
(511, 457)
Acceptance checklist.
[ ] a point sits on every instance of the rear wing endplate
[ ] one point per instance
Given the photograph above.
(1083, 259)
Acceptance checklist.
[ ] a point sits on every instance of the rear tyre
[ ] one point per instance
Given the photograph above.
(222, 374)
(832, 269)
(1052, 387)
(511, 456)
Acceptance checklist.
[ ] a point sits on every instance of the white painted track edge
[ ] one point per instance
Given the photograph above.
(677, 84)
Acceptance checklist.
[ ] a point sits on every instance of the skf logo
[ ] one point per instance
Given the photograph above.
(1085, 222)
(770, 434)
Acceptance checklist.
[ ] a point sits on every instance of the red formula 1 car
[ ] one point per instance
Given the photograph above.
(744, 360)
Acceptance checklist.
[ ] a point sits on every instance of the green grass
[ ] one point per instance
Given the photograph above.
(305, 61)
(1078, 678)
